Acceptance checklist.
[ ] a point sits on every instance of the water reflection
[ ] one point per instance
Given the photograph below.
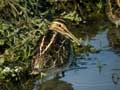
(55, 84)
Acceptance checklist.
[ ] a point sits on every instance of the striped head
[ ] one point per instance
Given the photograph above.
(59, 26)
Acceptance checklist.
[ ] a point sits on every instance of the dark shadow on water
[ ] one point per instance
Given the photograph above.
(54, 84)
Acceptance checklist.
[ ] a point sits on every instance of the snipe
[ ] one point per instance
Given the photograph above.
(53, 53)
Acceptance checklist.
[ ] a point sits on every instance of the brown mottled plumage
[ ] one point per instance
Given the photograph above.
(53, 52)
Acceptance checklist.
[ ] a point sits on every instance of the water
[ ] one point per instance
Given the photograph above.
(99, 73)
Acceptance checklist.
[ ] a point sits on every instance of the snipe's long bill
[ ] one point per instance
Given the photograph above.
(53, 52)
(61, 28)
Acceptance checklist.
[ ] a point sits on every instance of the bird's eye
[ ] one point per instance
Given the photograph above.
(59, 25)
